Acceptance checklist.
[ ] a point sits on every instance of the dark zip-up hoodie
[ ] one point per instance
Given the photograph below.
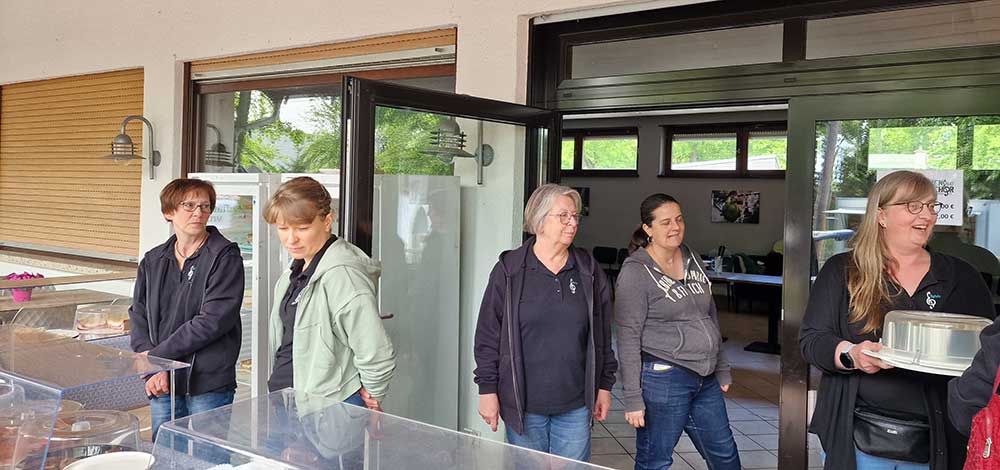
(499, 357)
(209, 334)
(672, 320)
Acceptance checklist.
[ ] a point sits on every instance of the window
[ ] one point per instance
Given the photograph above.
(986, 147)
(726, 151)
(913, 29)
(600, 152)
(723, 47)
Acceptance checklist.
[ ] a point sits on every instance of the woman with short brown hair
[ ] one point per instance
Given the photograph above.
(186, 305)
(326, 335)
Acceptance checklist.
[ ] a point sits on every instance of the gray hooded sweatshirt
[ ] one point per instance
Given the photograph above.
(672, 320)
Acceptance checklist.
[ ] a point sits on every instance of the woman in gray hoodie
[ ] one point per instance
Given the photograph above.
(672, 364)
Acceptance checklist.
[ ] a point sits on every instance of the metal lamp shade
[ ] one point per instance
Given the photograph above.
(123, 150)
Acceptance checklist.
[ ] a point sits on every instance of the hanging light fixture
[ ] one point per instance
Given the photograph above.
(448, 141)
(123, 150)
(217, 154)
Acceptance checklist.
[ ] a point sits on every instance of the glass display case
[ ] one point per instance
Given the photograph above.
(238, 215)
(89, 306)
(293, 430)
(61, 398)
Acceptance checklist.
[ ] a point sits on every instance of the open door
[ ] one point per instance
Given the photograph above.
(435, 186)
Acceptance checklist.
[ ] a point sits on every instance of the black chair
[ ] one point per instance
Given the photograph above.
(622, 255)
(608, 257)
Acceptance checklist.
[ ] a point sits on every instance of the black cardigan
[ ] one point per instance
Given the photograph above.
(498, 353)
(961, 290)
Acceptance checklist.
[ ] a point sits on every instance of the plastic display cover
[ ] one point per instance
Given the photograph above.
(293, 430)
(43, 374)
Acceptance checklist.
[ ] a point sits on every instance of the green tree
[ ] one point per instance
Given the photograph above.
(399, 137)
(688, 150)
(566, 159)
(618, 153)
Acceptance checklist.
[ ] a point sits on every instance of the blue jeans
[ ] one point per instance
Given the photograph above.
(678, 400)
(566, 435)
(187, 405)
(870, 462)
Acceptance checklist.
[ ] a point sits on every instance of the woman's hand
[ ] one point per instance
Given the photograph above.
(158, 384)
(603, 405)
(636, 418)
(489, 409)
(370, 403)
(864, 362)
(725, 388)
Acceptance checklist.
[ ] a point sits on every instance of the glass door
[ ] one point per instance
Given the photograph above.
(238, 216)
(436, 183)
(838, 147)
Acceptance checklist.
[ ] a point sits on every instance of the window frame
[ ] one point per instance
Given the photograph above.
(193, 140)
(742, 131)
(579, 135)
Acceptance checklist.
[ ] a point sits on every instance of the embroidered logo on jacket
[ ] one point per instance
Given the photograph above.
(932, 300)
(572, 286)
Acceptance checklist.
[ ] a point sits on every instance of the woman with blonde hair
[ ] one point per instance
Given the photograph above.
(888, 268)
(326, 335)
(544, 362)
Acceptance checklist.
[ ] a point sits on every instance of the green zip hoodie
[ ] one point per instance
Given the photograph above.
(339, 344)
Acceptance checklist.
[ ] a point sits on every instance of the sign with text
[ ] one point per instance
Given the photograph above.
(949, 184)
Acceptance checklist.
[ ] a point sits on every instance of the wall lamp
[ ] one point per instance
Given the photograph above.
(448, 141)
(123, 150)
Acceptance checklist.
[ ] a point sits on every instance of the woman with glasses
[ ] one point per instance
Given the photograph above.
(888, 268)
(544, 362)
(186, 305)
(674, 369)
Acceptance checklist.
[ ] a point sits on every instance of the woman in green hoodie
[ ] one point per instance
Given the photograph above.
(326, 335)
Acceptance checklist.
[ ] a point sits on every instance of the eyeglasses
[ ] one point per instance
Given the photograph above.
(566, 217)
(191, 206)
(914, 207)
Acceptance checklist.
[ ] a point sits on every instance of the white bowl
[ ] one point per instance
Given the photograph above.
(114, 461)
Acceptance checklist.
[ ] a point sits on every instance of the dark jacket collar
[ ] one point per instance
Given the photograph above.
(514, 261)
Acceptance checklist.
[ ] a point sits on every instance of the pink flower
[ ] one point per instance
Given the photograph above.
(23, 276)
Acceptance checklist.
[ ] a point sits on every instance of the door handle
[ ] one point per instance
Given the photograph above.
(386, 316)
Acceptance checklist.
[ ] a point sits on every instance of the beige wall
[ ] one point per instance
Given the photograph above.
(614, 202)
(51, 39)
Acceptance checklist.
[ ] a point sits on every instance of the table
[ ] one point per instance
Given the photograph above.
(773, 305)
(58, 298)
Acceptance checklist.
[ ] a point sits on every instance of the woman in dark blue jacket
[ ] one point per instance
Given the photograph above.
(186, 305)
(543, 340)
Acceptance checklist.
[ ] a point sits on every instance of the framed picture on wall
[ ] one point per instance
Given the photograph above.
(735, 207)
(585, 197)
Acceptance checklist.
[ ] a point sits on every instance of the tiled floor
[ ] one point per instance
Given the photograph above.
(752, 405)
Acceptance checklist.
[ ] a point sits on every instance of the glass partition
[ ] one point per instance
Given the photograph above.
(289, 429)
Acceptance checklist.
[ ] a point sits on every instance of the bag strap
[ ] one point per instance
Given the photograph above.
(996, 382)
